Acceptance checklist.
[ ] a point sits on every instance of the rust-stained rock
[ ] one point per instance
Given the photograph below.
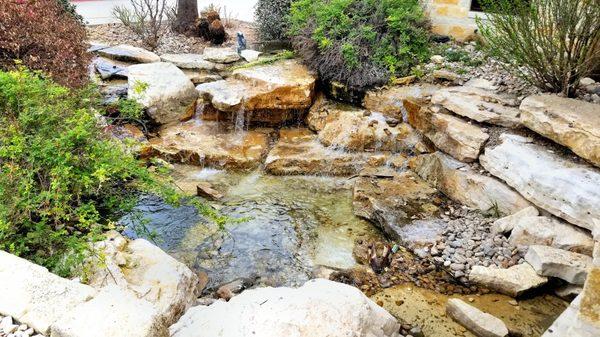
(390, 101)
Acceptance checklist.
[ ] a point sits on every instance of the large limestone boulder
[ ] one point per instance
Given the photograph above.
(164, 90)
(392, 102)
(188, 61)
(34, 296)
(129, 53)
(481, 324)
(113, 312)
(272, 93)
(513, 281)
(450, 134)
(320, 308)
(478, 104)
(507, 223)
(298, 151)
(151, 274)
(569, 266)
(547, 231)
(573, 323)
(461, 183)
(566, 189)
(208, 143)
(570, 122)
(393, 200)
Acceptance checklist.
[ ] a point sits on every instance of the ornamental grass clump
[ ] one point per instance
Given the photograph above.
(552, 44)
(360, 43)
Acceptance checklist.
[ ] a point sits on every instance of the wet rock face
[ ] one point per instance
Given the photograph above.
(298, 151)
(558, 185)
(570, 122)
(164, 90)
(272, 94)
(319, 308)
(209, 144)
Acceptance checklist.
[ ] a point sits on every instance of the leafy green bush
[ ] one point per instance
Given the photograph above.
(550, 43)
(63, 181)
(70, 8)
(271, 18)
(360, 43)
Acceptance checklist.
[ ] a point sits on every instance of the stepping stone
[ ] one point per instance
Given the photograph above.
(548, 261)
(513, 281)
(220, 55)
(129, 53)
(481, 324)
(188, 61)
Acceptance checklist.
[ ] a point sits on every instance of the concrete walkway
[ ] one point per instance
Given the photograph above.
(97, 12)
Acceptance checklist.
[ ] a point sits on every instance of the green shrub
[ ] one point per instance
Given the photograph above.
(272, 19)
(70, 8)
(550, 43)
(360, 43)
(63, 181)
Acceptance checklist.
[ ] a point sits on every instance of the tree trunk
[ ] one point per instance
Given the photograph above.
(187, 15)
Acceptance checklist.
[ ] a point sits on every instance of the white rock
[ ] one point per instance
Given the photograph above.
(547, 231)
(586, 81)
(220, 55)
(320, 308)
(566, 189)
(549, 261)
(113, 312)
(164, 90)
(571, 324)
(513, 281)
(250, 55)
(478, 322)
(129, 53)
(506, 224)
(34, 296)
(188, 61)
(439, 59)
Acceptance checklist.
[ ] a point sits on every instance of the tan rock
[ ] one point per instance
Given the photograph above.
(513, 281)
(481, 324)
(570, 122)
(481, 105)
(569, 266)
(391, 101)
(461, 184)
(188, 61)
(129, 54)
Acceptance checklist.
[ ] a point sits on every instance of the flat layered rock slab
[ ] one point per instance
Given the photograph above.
(570, 122)
(164, 90)
(548, 231)
(188, 61)
(113, 312)
(569, 266)
(568, 190)
(481, 324)
(298, 151)
(507, 223)
(478, 104)
(34, 296)
(391, 101)
(220, 55)
(108, 68)
(209, 144)
(462, 184)
(319, 308)
(513, 281)
(129, 53)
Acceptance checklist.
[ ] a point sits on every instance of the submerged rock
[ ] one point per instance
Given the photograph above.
(560, 186)
(164, 90)
(319, 308)
(548, 261)
(478, 322)
(513, 281)
(208, 143)
(570, 122)
(461, 183)
(129, 53)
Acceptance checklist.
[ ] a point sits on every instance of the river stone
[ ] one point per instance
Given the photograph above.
(462, 184)
(208, 144)
(169, 95)
(481, 105)
(113, 312)
(566, 189)
(188, 61)
(220, 55)
(34, 296)
(507, 223)
(320, 308)
(513, 281)
(547, 231)
(450, 134)
(478, 322)
(570, 122)
(129, 53)
(549, 261)
(393, 202)
(391, 101)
